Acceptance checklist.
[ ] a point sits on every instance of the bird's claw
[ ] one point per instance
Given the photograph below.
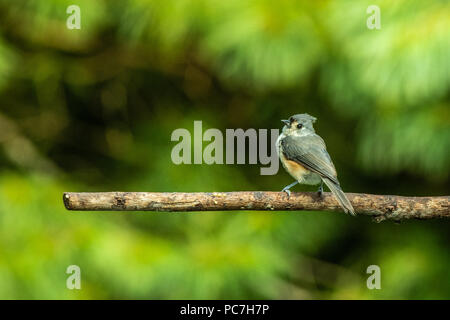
(286, 189)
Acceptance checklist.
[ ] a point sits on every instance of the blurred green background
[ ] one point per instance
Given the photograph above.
(93, 110)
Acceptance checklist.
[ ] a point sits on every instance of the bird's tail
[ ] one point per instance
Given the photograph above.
(340, 196)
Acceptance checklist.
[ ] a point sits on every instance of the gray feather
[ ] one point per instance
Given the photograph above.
(340, 196)
(310, 151)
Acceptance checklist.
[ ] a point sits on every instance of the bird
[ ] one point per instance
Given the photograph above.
(304, 155)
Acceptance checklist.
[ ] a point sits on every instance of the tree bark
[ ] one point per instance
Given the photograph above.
(380, 207)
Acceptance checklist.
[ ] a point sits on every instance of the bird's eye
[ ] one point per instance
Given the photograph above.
(299, 126)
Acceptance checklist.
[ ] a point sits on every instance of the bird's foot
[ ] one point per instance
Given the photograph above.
(288, 192)
(320, 191)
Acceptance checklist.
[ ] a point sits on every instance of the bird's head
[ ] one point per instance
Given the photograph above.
(299, 124)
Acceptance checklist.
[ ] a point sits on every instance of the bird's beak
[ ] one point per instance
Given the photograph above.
(286, 122)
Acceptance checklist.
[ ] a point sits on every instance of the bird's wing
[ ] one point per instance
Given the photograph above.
(311, 152)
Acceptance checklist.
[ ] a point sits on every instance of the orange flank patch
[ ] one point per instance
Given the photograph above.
(295, 168)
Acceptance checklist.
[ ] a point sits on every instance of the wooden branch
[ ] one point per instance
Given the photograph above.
(381, 207)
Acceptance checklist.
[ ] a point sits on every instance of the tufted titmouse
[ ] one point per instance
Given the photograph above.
(304, 155)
